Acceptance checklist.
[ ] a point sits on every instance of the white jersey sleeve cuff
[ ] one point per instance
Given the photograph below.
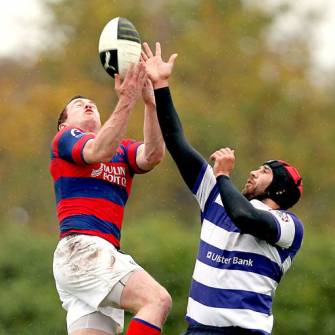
(287, 229)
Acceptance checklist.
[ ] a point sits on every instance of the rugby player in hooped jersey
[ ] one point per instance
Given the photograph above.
(247, 240)
(93, 167)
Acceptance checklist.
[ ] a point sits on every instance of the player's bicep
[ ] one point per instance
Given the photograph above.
(134, 153)
(257, 222)
(88, 152)
(141, 162)
(267, 227)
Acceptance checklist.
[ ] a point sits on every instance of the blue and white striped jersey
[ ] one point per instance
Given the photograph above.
(236, 275)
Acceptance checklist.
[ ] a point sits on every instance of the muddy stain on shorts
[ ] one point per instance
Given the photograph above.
(77, 257)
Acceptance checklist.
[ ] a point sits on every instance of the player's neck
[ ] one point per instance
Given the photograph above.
(270, 203)
(89, 127)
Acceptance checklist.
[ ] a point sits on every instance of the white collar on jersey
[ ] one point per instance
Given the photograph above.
(260, 205)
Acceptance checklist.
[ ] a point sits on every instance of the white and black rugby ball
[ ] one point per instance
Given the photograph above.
(119, 46)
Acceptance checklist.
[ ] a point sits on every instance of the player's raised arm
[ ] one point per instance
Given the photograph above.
(188, 160)
(103, 146)
(152, 151)
(249, 219)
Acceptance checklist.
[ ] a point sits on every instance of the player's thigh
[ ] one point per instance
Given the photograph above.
(140, 289)
(88, 267)
(94, 323)
(89, 332)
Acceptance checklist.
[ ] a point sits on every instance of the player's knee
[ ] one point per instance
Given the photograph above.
(165, 300)
(161, 299)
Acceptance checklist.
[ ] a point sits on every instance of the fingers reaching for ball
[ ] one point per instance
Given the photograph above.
(130, 89)
(147, 50)
(158, 49)
(144, 57)
(158, 70)
(172, 59)
(117, 84)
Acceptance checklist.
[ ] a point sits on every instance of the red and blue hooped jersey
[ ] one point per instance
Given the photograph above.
(90, 198)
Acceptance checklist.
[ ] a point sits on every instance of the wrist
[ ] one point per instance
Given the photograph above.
(150, 104)
(160, 84)
(222, 174)
(125, 102)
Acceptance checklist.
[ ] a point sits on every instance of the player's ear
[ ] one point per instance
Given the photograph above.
(62, 126)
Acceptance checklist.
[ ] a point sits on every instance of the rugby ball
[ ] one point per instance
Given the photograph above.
(119, 46)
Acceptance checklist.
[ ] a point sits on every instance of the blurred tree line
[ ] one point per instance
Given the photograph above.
(230, 89)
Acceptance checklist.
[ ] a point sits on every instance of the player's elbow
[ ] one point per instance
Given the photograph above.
(151, 162)
(159, 156)
(154, 157)
(239, 216)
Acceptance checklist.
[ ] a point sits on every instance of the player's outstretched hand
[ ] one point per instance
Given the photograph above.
(224, 161)
(131, 87)
(157, 70)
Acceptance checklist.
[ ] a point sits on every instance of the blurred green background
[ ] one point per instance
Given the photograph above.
(231, 88)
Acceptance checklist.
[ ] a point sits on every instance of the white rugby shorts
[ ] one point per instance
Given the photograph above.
(86, 269)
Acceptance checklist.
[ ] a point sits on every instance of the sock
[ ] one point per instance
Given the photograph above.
(141, 327)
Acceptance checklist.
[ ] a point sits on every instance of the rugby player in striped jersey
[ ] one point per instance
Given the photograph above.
(93, 169)
(247, 241)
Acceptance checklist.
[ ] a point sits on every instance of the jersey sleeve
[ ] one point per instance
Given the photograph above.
(69, 143)
(204, 185)
(130, 150)
(290, 230)
(187, 159)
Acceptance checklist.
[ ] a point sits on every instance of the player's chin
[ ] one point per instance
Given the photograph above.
(92, 117)
(246, 192)
(245, 189)
(91, 125)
